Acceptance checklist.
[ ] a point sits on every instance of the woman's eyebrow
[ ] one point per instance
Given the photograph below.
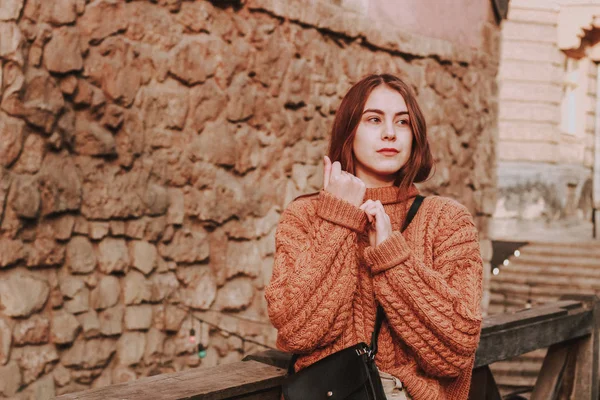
(376, 111)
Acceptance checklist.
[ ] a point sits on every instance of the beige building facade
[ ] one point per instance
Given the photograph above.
(548, 157)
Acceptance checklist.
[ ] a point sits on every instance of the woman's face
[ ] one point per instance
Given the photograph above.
(384, 124)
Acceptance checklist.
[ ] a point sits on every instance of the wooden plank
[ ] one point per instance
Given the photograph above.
(549, 380)
(275, 358)
(525, 331)
(478, 383)
(583, 380)
(222, 382)
(502, 337)
(516, 340)
(586, 384)
(483, 385)
(527, 316)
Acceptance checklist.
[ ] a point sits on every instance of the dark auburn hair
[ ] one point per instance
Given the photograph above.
(348, 116)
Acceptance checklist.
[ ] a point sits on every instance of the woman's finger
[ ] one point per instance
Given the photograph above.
(326, 171)
(367, 207)
(373, 206)
(370, 215)
(371, 212)
(380, 213)
(365, 204)
(336, 169)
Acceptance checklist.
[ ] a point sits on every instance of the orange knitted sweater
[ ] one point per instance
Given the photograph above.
(327, 281)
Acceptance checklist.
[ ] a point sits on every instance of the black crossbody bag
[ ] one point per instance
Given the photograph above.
(349, 374)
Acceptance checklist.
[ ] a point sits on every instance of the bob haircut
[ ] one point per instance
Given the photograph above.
(348, 116)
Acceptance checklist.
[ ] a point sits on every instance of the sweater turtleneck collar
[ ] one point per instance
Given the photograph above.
(390, 194)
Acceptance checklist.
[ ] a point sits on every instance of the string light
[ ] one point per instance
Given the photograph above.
(254, 321)
(528, 304)
(201, 349)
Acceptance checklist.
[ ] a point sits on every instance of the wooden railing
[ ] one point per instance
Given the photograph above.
(569, 328)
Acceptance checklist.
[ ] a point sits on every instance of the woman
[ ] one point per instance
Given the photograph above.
(340, 253)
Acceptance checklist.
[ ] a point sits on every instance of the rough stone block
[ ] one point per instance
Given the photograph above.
(130, 348)
(111, 320)
(80, 256)
(143, 256)
(11, 251)
(98, 229)
(235, 295)
(138, 317)
(22, 294)
(5, 340)
(136, 288)
(154, 346)
(106, 294)
(65, 327)
(89, 353)
(34, 330)
(163, 286)
(34, 360)
(11, 379)
(11, 137)
(90, 324)
(59, 182)
(62, 53)
(113, 255)
(80, 302)
(186, 246)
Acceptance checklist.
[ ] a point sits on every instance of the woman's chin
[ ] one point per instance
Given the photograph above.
(385, 171)
(386, 168)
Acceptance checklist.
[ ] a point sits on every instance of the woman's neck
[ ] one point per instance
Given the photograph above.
(390, 194)
(378, 181)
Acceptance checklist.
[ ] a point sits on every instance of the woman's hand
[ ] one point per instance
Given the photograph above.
(380, 227)
(343, 184)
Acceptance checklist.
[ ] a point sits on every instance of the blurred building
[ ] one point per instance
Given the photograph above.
(549, 142)
(548, 153)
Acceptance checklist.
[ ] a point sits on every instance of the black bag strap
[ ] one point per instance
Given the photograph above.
(380, 313)
(413, 211)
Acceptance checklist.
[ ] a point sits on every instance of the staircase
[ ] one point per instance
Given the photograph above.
(542, 273)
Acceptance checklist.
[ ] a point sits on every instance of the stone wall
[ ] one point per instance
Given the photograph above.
(147, 150)
(468, 22)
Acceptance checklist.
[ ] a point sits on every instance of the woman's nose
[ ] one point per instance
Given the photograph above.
(388, 133)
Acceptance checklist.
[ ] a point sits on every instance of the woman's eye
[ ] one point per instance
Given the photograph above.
(402, 122)
(374, 119)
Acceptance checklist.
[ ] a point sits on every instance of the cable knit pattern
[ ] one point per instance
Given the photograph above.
(327, 282)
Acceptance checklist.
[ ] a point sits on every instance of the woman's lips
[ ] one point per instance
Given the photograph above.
(388, 152)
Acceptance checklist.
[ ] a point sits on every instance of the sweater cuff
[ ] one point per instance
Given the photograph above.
(387, 254)
(341, 212)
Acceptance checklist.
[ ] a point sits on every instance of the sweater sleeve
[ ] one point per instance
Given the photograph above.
(436, 311)
(309, 297)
